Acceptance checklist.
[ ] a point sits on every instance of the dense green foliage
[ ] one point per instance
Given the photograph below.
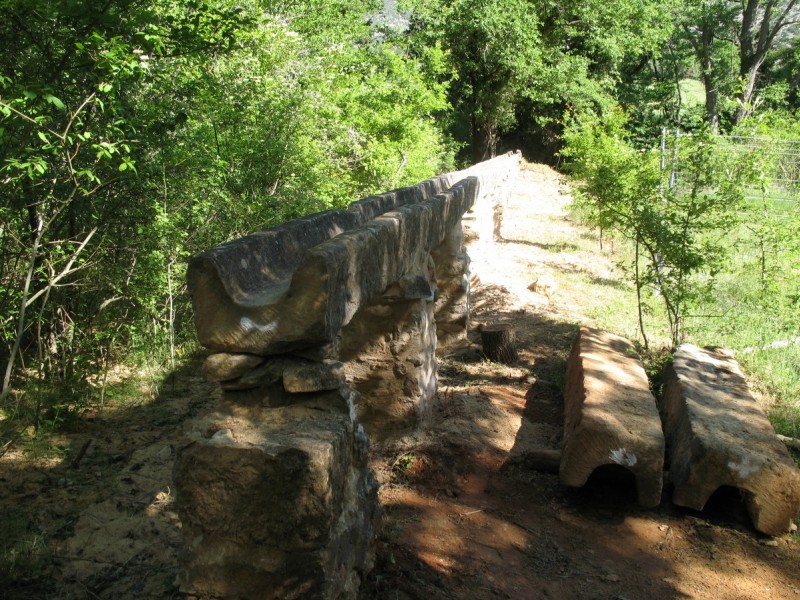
(743, 54)
(677, 231)
(136, 133)
(713, 224)
(518, 65)
(495, 56)
(697, 166)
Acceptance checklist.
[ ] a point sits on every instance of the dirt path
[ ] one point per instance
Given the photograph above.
(473, 509)
(471, 506)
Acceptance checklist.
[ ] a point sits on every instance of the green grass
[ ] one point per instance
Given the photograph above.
(748, 312)
(693, 93)
(777, 373)
(755, 311)
(611, 303)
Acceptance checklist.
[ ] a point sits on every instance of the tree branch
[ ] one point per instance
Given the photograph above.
(67, 270)
(21, 320)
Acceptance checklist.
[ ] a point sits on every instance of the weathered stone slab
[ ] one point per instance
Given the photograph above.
(482, 220)
(303, 377)
(281, 506)
(274, 493)
(271, 371)
(610, 415)
(224, 366)
(719, 436)
(334, 279)
(374, 206)
(256, 294)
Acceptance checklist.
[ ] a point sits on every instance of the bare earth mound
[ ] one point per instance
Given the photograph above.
(472, 504)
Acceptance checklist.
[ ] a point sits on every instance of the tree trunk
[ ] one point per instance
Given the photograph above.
(761, 22)
(701, 38)
(498, 343)
(712, 94)
(753, 46)
(709, 78)
(484, 141)
(746, 106)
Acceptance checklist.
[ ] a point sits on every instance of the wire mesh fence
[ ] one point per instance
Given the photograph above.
(768, 168)
(760, 281)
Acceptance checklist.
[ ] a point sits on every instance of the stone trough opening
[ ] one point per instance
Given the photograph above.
(719, 437)
(728, 504)
(611, 486)
(715, 434)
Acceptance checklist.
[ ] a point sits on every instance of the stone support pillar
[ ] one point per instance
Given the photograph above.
(389, 351)
(452, 307)
(274, 491)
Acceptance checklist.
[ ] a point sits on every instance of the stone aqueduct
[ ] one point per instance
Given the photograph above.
(324, 331)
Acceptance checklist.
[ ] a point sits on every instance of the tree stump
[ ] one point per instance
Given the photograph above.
(498, 343)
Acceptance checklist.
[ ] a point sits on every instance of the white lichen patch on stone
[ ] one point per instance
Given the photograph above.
(249, 325)
(746, 467)
(623, 457)
(223, 437)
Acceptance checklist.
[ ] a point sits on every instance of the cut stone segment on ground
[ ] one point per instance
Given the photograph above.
(719, 436)
(610, 415)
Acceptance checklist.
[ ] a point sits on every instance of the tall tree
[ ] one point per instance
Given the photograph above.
(762, 23)
(520, 59)
(755, 28)
(495, 53)
(704, 24)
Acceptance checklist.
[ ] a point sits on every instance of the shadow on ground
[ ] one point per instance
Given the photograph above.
(468, 517)
(92, 517)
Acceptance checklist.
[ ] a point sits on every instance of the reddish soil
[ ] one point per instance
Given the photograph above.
(472, 508)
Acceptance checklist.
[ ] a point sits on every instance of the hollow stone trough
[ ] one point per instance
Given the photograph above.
(718, 436)
(611, 416)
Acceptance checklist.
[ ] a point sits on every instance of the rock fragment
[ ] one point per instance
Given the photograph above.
(224, 366)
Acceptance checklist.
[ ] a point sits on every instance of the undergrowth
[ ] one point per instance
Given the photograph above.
(40, 409)
(719, 243)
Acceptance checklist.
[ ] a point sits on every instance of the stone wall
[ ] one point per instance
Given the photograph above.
(320, 327)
